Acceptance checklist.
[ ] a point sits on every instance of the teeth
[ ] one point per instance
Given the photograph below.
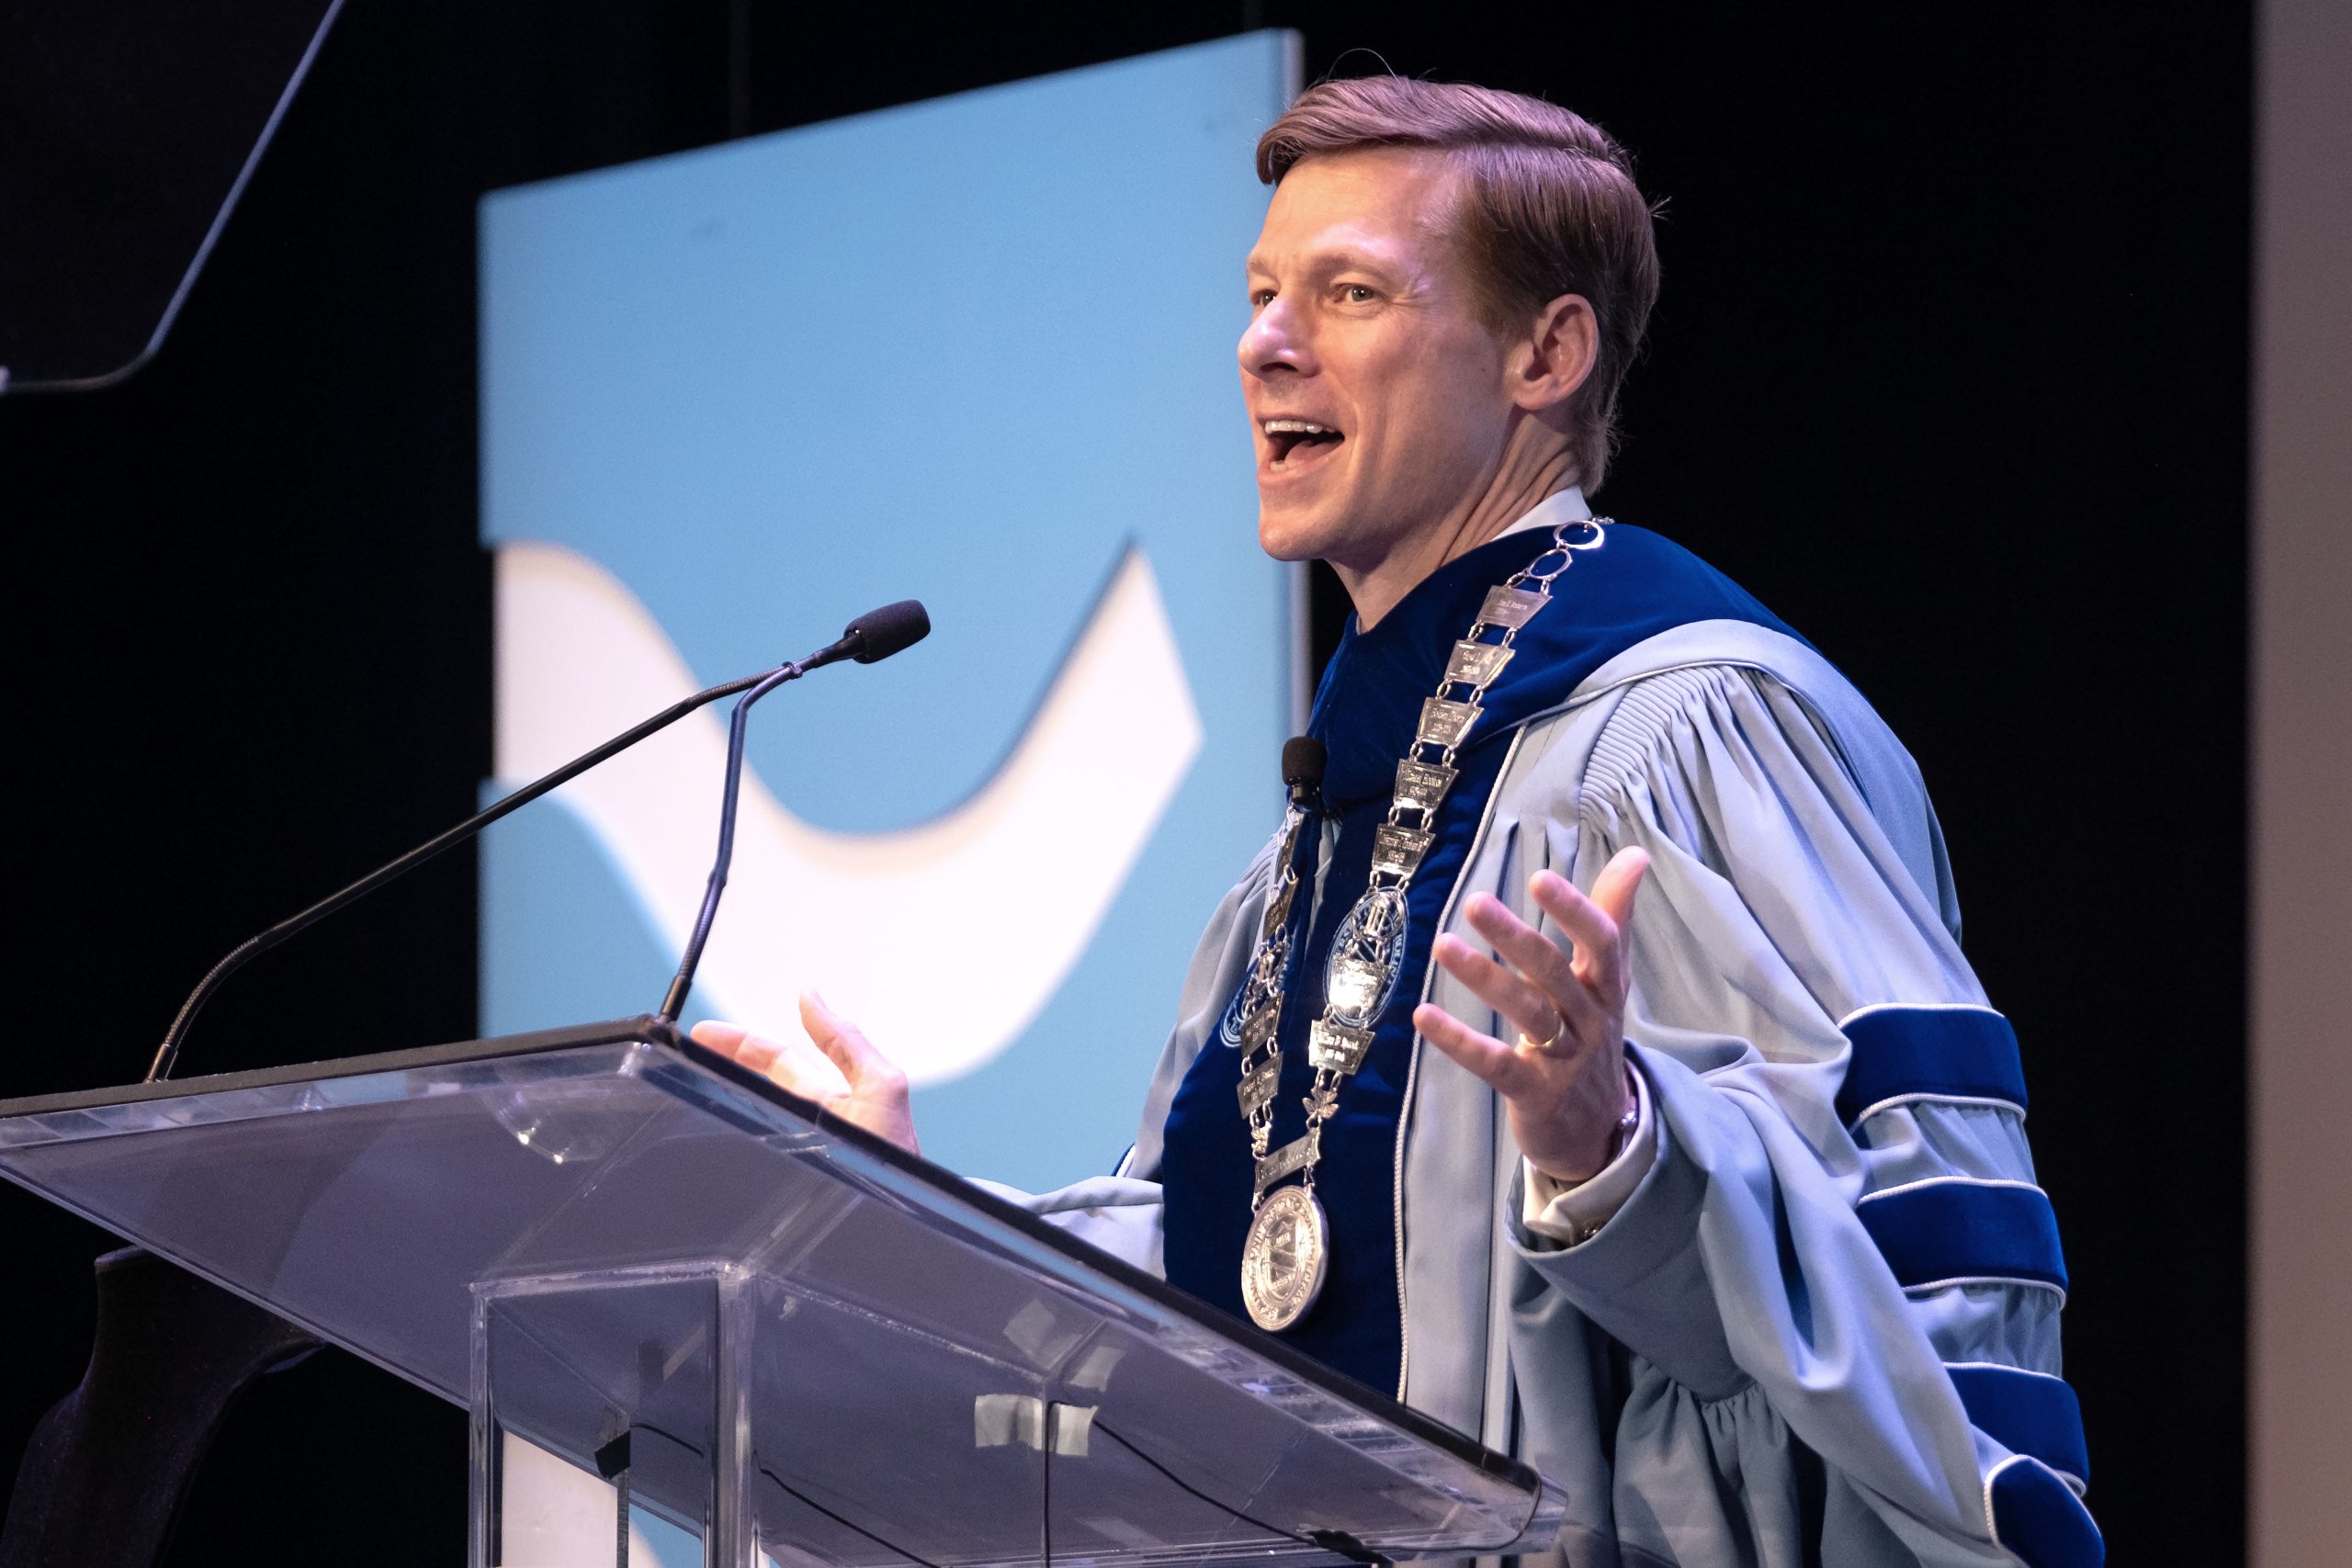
(1297, 427)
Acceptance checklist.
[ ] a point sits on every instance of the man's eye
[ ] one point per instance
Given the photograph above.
(1359, 294)
(1261, 298)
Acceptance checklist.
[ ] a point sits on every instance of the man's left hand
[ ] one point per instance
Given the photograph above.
(1563, 1081)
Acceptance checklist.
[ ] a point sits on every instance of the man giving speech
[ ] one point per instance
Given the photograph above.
(1590, 1058)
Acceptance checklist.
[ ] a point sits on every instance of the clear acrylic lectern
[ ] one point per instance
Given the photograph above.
(766, 1328)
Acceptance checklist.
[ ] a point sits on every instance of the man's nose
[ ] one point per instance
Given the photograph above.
(1274, 341)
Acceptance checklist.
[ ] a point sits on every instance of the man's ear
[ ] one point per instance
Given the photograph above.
(1548, 365)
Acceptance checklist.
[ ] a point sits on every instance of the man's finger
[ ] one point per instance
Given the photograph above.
(843, 1042)
(1523, 1004)
(784, 1062)
(1599, 939)
(736, 1042)
(1538, 958)
(1615, 891)
(1489, 1058)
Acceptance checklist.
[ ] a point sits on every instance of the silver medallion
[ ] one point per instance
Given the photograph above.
(1367, 956)
(1282, 1262)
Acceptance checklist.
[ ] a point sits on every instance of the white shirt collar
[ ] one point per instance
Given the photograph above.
(1561, 506)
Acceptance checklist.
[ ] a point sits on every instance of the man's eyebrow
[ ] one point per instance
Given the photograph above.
(1336, 258)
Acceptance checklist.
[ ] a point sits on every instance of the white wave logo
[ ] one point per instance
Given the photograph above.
(943, 941)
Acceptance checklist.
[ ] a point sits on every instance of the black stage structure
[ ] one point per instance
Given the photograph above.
(1950, 369)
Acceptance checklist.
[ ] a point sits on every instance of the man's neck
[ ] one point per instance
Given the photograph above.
(1380, 588)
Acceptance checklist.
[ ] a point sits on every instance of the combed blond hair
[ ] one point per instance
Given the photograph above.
(1549, 207)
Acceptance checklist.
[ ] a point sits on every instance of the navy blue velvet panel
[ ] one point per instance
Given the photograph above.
(2041, 1520)
(1966, 1230)
(1357, 1326)
(2026, 1412)
(1635, 586)
(1962, 1053)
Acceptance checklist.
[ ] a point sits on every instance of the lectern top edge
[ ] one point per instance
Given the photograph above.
(645, 1027)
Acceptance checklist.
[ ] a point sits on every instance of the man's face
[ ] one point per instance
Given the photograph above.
(1377, 392)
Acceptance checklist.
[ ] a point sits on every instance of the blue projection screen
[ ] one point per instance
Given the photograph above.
(977, 351)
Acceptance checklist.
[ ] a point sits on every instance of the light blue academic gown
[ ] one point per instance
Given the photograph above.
(1824, 1326)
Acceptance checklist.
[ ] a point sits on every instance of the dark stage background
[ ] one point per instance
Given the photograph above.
(1950, 369)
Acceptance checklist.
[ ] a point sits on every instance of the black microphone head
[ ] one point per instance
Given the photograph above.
(1303, 760)
(891, 629)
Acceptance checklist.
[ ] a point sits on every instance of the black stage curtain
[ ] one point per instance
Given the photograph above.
(1950, 369)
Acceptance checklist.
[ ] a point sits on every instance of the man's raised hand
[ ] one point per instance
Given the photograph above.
(1563, 1081)
(849, 1078)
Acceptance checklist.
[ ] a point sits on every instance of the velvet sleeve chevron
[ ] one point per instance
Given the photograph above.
(1843, 1223)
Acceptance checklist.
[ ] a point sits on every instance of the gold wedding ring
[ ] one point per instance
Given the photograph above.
(1549, 1047)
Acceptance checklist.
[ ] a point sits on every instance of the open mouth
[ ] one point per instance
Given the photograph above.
(1298, 439)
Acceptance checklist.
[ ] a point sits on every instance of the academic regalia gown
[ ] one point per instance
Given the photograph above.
(1823, 1327)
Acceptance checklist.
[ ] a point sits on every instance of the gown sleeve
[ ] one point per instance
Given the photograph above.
(1121, 1213)
(1839, 1247)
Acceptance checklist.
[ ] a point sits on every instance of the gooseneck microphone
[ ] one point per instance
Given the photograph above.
(874, 636)
(877, 633)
